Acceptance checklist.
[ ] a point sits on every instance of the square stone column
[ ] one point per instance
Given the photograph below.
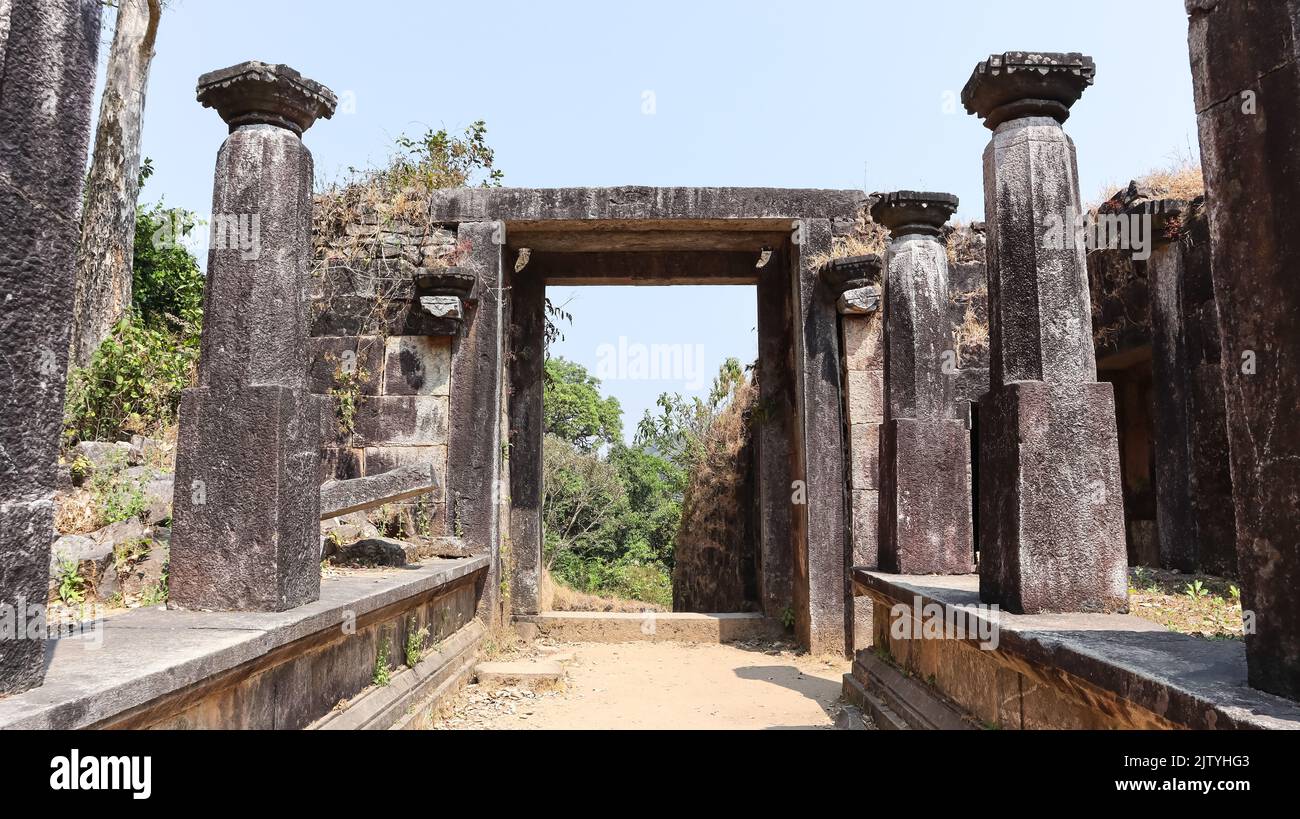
(1245, 60)
(245, 533)
(47, 56)
(862, 358)
(1051, 509)
(821, 586)
(925, 520)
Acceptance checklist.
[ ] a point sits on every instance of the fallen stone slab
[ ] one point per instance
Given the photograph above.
(525, 672)
(374, 551)
(357, 494)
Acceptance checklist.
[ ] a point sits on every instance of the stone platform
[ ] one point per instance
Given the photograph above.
(155, 668)
(1061, 670)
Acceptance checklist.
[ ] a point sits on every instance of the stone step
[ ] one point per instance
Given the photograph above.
(882, 716)
(621, 627)
(530, 673)
(910, 701)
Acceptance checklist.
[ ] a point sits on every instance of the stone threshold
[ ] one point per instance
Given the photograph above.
(619, 627)
(1191, 682)
(146, 654)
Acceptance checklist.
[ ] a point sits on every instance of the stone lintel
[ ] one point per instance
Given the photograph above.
(258, 93)
(1019, 84)
(914, 212)
(738, 208)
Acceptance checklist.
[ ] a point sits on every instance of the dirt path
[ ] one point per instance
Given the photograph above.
(664, 685)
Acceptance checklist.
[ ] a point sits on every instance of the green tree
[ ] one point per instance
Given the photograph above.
(134, 381)
(574, 410)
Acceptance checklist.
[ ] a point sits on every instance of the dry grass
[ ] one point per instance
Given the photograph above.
(964, 244)
(1181, 179)
(866, 238)
(971, 337)
(1197, 604)
(555, 596)
(77, 513)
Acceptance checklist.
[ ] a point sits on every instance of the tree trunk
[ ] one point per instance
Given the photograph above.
(104, 256)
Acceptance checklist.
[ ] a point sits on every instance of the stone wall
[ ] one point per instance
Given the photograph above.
(383, 360)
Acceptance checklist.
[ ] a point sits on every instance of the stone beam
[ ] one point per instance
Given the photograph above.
(245, 531)
(1245, 59)
(343, 497)
(1051, 509)
(925, 516)
(644, 267)
(47, 54)
(732, 206)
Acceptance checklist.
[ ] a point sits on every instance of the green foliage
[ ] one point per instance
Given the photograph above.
(117, 496)
(415, 643)
(440, 160)
(610, 512)
(130, 552)
(787, 618)
(347, 396)
(574, 410)
(156, 595)
(1196, 590)
(71, 584)
(134, 381)
(382, 674)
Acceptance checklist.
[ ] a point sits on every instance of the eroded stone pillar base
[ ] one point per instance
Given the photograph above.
(925, 498)
(1051, 516)
(247, 500)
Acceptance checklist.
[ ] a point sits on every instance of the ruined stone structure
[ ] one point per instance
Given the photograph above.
(407, 369)
(925, 520)
(245, 522)
(1051, 513)
(1246, 72)
(47, 53)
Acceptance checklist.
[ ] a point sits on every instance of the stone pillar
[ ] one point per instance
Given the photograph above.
(1246, 73)
(862, 359)
(1051, 509)
(47, 79)
(925, 520)
(776, 431)
(821, 588)
(245, 531)
(527, 380)
(474, 448)
(1171, 431)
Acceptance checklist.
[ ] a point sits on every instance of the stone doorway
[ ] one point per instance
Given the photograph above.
(649, 236)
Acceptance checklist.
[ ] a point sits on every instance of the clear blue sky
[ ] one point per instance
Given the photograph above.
(813, 94)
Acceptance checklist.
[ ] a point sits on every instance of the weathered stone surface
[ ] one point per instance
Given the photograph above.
(526, 672)
(256, 93)
(526, 362)
(645, 203)
(1051, 516)
(248, 457)
(1019, 84)
(1246, 75)
(860, 301)
(345, 529)
(401, 420)
(246, 515)
(775, 435)
(373, 551)
(866, 396)
(823, 577)
(925, 520)
(864, 342)
(47, 59)
(346, 362)
(417, 365)
(343, 497)
(474, 423)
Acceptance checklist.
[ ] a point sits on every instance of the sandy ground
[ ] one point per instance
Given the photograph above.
(662, 686)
